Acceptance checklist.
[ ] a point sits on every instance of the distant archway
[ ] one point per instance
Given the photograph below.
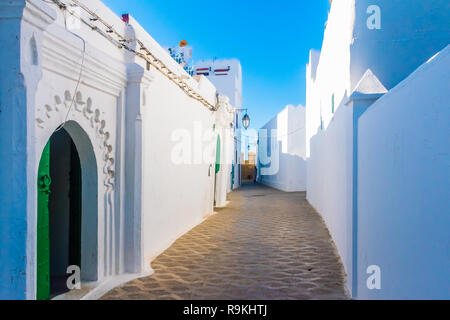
(67, 225)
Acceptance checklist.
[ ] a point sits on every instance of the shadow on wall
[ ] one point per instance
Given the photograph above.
(403, 187)
(288, 171)
(329, 183)
(414, 26)
(403, 181)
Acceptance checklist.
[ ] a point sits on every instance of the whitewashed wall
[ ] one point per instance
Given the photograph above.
(313, 114)
(404, 187)
(349, 50)
(411, 32)
(136, 200)
(49, 61)
(13, 151)
(284, 142)
(229, 85)
(329, 73)
(226, 134)
(329, 136)
(329, 188)
(176, 197)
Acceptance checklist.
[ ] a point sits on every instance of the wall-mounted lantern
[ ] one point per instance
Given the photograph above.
(246, 121)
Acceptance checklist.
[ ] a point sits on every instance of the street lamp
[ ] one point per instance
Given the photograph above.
(246, 121)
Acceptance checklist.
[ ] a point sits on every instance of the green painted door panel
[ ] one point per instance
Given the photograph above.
(218, 155)
(43, 232)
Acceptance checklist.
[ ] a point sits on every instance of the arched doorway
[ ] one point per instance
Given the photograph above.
(67, 211)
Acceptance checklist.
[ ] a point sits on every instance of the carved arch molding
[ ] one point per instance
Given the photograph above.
(61, 107)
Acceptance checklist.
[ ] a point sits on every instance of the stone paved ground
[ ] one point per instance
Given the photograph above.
(266, 244)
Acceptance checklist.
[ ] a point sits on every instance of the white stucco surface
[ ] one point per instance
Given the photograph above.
(357, 65)
(329, 188)
(403, 187)
(121, 116)
(229, 84)
(281, 153)
(350, 48)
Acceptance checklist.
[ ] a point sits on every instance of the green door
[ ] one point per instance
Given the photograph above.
(217, 166)
(218, 155)
(232, 177)
(43, 232)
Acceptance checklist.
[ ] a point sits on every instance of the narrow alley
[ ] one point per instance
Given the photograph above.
(266, 244)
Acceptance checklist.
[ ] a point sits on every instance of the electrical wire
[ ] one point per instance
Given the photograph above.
(121, 43)
(290, 133)
(79, 76)
(274, 137)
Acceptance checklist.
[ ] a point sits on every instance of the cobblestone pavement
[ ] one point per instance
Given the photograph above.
(265, 245)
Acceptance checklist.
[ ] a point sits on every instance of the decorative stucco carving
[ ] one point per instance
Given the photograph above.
(85, 108)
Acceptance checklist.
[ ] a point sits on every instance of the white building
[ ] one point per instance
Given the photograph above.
(226, 75)
(225, 151)
(281, 150)
(101, 109)
(376, 169)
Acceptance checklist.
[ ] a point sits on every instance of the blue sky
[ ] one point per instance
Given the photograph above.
(272, 40)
